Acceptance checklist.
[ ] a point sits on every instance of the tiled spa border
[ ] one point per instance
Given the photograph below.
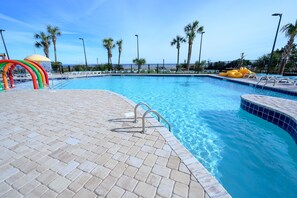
(281, 112)
(210, 185)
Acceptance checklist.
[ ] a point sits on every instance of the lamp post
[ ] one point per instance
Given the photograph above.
(200, 48)
(137, 52)
(4, 42)
(84, 52)
(137, 46)
(270, 60)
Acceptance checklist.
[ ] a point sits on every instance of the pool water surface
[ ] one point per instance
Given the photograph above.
(249, 156)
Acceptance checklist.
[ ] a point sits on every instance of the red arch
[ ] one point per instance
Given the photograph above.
(10, 75)
(44, 71)
(35, 85)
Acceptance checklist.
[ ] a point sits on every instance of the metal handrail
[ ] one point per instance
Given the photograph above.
(135, 108)
(267, 79)
(262, 78)
(158, 115)
(274, 81)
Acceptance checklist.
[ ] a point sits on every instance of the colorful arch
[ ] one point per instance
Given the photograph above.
(35, 70)
(43, 70)
(43, 73)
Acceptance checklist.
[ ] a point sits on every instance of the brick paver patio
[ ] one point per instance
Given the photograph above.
(84, 144)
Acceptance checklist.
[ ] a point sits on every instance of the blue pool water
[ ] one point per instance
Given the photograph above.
(249, 156)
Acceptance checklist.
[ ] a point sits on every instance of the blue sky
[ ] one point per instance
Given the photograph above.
(231, 27)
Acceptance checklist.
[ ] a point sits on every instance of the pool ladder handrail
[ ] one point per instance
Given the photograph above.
(150, 110)
(135, 109)
(158, 115)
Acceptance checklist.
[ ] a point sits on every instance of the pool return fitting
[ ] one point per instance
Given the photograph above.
(150, 110)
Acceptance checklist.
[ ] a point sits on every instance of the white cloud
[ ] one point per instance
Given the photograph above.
(69, 32)
(13, 20)
(94, 6)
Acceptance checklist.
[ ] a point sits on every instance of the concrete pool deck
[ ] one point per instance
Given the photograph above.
(74, 143)
(255, 82)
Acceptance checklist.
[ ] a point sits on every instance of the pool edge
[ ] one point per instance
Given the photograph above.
(278, 116)
(210, 184)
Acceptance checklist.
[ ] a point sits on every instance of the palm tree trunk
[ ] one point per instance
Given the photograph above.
(189, 55)
(177, 64)
(110, 60)
(55, 50)
(108, 57)
(282, 67)
(119, 59)
(55, 53)
(46, 52)
(286, 54)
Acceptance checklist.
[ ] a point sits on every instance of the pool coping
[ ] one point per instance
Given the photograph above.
(256, 85)
(209, 183)
(279, 111)
(239, 80)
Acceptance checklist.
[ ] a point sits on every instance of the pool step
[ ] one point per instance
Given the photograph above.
(60, 84)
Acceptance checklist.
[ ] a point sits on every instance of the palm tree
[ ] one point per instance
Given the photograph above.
(139, 62)
(44, 42)
(177, 41)
(108, 44)
(54, 32)
(290, 31)
(119, 44)
(191, 30)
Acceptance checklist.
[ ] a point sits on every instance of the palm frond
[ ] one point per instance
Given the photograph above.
(119, 42)
(38, 45)
(188, 28)
(290, 29)
(173, 42)
(37, 36)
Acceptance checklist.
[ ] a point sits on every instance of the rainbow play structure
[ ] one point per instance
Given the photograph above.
(38, 73)
(236, 73)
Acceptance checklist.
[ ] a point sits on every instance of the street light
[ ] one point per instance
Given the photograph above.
(270, 60)
(137, 52)
(4, 42)
(84, 52)
(200, 47)
(137, 46)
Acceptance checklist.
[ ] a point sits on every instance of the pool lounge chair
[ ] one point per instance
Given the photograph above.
(276, 80)
(253, 75)
(266, 79)
(285, 81)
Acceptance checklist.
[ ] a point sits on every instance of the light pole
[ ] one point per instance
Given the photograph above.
(4, 43)
(270, 60)
(137, 46)
(137, 52)
(84, 52)
(200, 48)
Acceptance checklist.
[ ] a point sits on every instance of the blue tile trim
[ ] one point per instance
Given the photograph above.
(279, 119)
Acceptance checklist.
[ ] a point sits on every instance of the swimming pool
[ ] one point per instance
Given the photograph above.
(249, 156)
